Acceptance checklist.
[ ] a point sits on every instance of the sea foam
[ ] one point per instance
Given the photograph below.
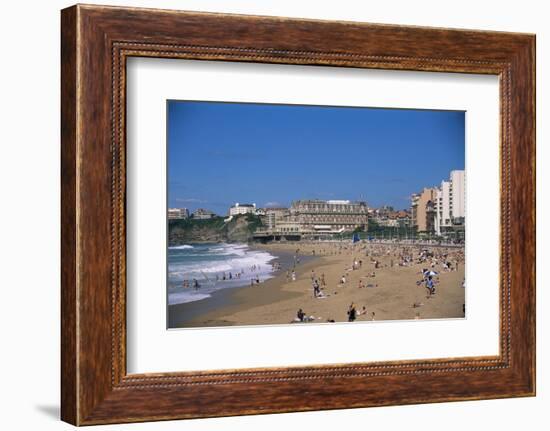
(208, 263)
(181, 247)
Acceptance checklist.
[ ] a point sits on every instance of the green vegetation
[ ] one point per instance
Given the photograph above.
(190, 223)
(239, 229)
(254, 221)
(380, 232)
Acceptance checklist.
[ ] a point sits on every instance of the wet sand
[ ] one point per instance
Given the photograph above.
(206, 311)
(392, 294)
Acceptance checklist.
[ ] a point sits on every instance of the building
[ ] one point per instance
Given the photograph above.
(458, 194)
(386, 216)
(441, 210)
(275, 216)
(202, 214)
(288, 227)
(262, 212)
(403, 218)
(178, 213)
(332, 216)
(450, 204)
(423, 210)
(242, 209)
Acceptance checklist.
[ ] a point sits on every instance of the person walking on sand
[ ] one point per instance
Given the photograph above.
(293, 275)
(430, 285)
(352, 313)
(316, 290)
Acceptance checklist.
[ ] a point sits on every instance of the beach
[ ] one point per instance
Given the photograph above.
(380, 281)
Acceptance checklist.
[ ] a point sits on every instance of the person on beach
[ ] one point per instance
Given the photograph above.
(430, 285)
(293, 275)
(196, 284)
(316, 289)
(323, 283)
(352, 313)
(300, 315)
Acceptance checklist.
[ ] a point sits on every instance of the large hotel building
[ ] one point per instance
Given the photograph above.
(332, 216)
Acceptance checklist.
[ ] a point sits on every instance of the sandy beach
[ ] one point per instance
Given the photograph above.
(383, 281)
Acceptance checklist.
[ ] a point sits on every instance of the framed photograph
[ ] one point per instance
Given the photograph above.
(324, 214)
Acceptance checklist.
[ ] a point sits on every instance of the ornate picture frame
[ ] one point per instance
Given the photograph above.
(96, 41)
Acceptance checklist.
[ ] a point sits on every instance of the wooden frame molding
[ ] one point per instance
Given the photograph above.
(95, 43)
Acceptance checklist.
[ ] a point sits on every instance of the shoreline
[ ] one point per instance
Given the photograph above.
(380, 288)
(195, 313)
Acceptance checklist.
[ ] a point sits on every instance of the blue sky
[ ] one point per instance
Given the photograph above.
(222, 153)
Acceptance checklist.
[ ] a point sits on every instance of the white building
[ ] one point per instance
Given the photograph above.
(178, 213)
(242, 209)
(458, 185)
(261, 212)
(450, 203)
(203, 214)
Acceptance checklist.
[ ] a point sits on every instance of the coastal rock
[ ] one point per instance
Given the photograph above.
(238, 229)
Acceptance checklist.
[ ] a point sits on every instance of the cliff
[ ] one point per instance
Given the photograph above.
(239, 229)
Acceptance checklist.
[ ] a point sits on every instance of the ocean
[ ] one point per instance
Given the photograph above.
(208, 264)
